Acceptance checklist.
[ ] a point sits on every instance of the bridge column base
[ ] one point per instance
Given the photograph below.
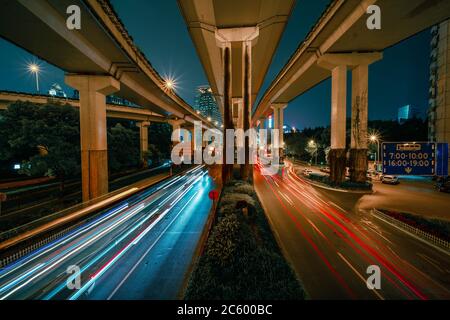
(338, 161)
(94, 170)
(358, 165)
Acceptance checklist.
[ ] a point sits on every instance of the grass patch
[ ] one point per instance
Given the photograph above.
(242, 260)
(438, 228)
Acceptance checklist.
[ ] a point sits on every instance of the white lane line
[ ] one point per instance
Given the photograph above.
(359, 275)
(431, 261)
(335, 205)
(315, 228)
(286, 198)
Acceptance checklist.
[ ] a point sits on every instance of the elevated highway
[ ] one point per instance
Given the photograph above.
(236, 41)
(341, 41)
(99, 59)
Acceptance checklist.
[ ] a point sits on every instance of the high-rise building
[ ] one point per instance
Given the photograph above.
(206, 104)
(407, 112)
(439, 102)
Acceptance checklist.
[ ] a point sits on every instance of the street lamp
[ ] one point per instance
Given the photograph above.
(34, 69)
(375, 139)
(313, 144)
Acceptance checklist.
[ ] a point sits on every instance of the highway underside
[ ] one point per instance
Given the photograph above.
(331, 245)
(139, 249)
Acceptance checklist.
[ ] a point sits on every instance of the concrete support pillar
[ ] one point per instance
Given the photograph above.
(94, 151)
(176, 125)
(358, 151)
(246, 169)
(262, 123)
(262, 138)
(243, 37)
(338, 64)
(227, 169)
(143, 138)
(278, 123)
(337, 154)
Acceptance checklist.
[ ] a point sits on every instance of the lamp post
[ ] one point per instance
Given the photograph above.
(374, 138)
(34, 69)
(313, 144)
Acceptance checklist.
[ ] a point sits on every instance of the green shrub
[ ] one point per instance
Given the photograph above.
(242, 260)
(222, 242)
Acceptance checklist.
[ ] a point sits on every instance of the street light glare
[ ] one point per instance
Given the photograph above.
(34, 68)
(170, 84)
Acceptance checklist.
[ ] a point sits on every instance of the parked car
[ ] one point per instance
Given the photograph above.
(373, 175)
(444, 186)
(388, 179)
(325, 170)
(306, 172)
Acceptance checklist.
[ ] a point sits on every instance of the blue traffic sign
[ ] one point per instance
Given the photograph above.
(442, 160)
(409, 158)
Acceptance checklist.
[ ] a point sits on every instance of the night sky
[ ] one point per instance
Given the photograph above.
(158, 29)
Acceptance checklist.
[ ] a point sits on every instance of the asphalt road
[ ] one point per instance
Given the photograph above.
(330, 245)
(139, 249)
(412, 195)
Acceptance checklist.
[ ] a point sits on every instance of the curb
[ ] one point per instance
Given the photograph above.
(334, 189)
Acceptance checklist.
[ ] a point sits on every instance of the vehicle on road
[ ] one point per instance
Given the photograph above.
(306, 172)
(389, 179)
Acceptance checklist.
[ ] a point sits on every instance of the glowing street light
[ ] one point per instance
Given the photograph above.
(374, 138)
(170, 84)
(35, 69)
(312, 144)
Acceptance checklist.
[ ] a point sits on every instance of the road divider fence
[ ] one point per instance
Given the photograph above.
(428, 237)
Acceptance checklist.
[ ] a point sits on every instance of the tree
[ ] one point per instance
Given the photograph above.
(26, 128)
(123, 148)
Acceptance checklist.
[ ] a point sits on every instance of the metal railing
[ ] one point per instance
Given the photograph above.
(23, 252)
(416, 231)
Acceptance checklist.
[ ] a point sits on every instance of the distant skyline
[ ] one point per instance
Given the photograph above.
(158, 29)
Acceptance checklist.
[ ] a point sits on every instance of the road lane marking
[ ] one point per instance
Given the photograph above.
(431, 261)
(286, 198)
(335, 205)
(359, 275)
(315, 228)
